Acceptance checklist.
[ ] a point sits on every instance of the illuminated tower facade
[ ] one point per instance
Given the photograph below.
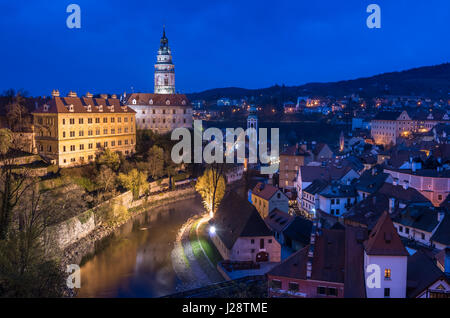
(164, 68)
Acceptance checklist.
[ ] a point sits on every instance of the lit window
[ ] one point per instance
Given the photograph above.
(387, 273)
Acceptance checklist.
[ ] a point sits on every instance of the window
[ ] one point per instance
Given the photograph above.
(105, 120)
(81, 133)
(422, 236)
(119, 119)
(113, 143)
(387, 274)
(387, 292)
(80, 121)
(90, 146)
(112, 119)
(276, 284)
(72, 121)
(321, 291)
(440, 197)
(400, 228)
(105, 131)
(331, 291)
(252, 241)
(293, 287)
(105, 144)
(89, 120)
(40, 121)
(72, 148)
(64, 148)
(406, 230)
(64, 134)
(72, 134)
(97, 120)
(270, 241)
(81, 147)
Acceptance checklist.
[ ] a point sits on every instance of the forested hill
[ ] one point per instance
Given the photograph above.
(429, 81)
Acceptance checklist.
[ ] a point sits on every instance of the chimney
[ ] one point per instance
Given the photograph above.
(114, 96)
(55, 93)
(89, 95)
(104, 96)
(72, 94)
(391, 205)
(406, 185)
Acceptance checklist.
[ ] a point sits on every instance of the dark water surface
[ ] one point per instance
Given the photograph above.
(136, 260)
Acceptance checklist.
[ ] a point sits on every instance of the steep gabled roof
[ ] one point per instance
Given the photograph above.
(369, 182)
(384, 239)
(422, 273)
(299, 230)
(236, 217)
(294, 266)
(409, 195)
(264, 191)
(278, 220)
(420, 217)
(442, 234)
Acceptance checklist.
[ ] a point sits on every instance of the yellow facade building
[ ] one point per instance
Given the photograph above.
(72, 131)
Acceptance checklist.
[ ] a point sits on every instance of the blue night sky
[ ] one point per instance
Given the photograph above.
(251, 44)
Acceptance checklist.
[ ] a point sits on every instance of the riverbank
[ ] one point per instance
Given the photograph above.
(192, 263)
(74, 252)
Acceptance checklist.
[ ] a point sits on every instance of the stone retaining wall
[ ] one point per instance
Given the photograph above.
(76, 228)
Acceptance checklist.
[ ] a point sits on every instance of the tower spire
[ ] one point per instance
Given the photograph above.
(164, 68)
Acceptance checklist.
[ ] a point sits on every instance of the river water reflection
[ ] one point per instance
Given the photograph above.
(136, 260)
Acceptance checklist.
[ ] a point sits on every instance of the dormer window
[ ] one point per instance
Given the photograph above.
(89, 108)
(45, 108)
(112, 109)
(134, 102)
(168, 102)
(71, 108)
(151, 102)
(183, 102)
(100, 108)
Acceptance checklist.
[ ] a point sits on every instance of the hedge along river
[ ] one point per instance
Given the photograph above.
(135, 261)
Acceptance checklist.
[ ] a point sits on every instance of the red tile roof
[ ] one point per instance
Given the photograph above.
(264, 191)
(81, 105)
(330, 172)
(148, 99)
(384, 240)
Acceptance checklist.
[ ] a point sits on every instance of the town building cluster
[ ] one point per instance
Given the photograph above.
(339, 214)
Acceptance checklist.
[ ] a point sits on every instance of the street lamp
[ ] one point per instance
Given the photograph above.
(212, 230)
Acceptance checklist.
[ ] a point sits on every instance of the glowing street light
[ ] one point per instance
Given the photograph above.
(212, 230)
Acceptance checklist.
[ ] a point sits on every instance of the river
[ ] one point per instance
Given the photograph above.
(136, 260)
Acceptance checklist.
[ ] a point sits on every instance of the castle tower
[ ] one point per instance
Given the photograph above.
(164, 68)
